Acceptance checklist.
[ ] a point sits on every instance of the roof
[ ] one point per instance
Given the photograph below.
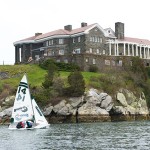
(135, 40)
(61, 32)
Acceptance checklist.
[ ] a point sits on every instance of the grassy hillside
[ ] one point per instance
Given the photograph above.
(110, 82)
(35, 75)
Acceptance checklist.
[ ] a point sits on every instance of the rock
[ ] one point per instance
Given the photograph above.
(59, 106)
(48, 111)
(6, 112)
(87, 109)
(76, 101)
(107, 103)
(64, 111)
(122, 99)
(130, 97)
(93, 97)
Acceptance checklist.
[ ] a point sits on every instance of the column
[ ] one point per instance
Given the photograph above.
(132, 50)
(128, 50)
(144, 53)
(136, 50)
(140, 52)
(115, 49)
(17, 54)
(124, 49)
(148, 52)
(109, 47)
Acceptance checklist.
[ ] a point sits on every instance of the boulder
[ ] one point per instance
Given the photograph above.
(59, 106)
(6, 112)
(48, 110)
(122, 99)
(107, 103)
(76, 101)
(87, 109)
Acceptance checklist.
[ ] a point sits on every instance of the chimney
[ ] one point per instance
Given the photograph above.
(83, 24)
(119, 30)
(37, 34)
(68, 27)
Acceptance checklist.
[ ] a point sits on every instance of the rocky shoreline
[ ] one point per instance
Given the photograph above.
(94, 106)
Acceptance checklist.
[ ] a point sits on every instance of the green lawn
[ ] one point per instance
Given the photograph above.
(35, 74)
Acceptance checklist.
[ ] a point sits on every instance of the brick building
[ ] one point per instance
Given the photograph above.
(85, 46)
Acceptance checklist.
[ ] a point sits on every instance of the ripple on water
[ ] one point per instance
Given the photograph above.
(84, 136)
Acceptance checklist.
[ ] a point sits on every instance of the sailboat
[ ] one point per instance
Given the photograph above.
(26, 109)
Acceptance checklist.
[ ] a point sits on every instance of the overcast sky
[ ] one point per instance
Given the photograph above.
(20, 19)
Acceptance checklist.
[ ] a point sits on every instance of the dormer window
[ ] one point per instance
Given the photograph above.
(96, 29)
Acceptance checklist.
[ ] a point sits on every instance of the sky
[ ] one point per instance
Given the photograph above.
(21, 19)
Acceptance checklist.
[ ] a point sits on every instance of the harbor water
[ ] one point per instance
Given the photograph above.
(83, 136)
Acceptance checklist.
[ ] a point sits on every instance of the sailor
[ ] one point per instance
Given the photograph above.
(29, 124)
(20, 125)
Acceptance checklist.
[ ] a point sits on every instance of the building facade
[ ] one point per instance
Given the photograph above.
(85, 46)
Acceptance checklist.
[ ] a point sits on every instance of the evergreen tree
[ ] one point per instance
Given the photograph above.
(77, 84)
(51, 73)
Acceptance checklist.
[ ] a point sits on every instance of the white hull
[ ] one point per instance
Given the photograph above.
(41, 126)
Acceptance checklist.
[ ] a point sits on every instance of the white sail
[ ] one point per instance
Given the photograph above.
(25, 109)
(40, 120)
(22, 109)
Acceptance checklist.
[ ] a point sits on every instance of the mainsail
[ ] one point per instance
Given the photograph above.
(22, 109)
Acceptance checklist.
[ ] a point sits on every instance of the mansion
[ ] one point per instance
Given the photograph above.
(85, 46)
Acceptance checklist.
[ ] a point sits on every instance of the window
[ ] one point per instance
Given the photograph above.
(79, 39)
(46, 43)
(96, 29)
(103, 52)
(45, 53)
(50, 53)
(61, 41)
(98, 39)
(61, 52)
(73, 40)
(95, 39)
(97, 51)
(119, 63)
(77, 51)
(50, 42)
(86, 60)
(94, 61)
(101, 40)
(91, 50)
(107, 62)
(37, 57)
(91, 39)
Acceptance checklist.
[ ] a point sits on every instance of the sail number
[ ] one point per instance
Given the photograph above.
(21, 91)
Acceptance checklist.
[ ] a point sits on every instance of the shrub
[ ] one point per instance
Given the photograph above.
(52, 71)
(76, 84)
(61, 65)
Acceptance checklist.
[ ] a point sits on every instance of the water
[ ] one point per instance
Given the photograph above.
(85, 136)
